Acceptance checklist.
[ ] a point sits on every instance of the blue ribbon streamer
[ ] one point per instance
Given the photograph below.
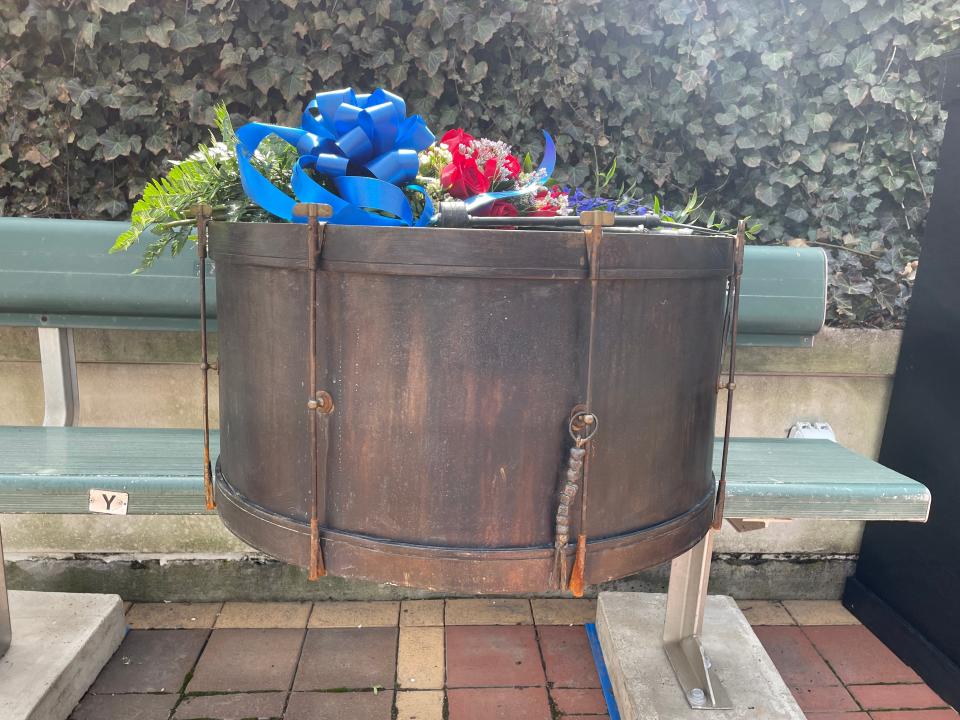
(363, 143)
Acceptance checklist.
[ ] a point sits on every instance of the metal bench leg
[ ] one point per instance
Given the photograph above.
(5, 634)
(686, 598)
(58, 362)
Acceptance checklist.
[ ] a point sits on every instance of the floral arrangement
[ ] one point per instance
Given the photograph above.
(374, 165)
(460, 166)
(359, 153)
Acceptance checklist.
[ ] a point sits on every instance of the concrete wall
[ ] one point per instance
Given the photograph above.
(147, 379)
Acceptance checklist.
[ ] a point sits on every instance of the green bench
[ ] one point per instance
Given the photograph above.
(56, 276)
(51, 470)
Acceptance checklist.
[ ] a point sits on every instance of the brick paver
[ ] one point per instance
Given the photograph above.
(340, 706)
(563, 611)
(819, 612)
(579, 701)
(830, 698)
(264, 615)
(915, 715)
(419, 704)
(420, 662)
(896, 697)
(498, 704)
(795, 657)
(172, 616)
(493, 659)
(421, 613)
(567, 655)
(246, 660)
(125, 707)
(241, 706)
(354, 614)
(482, 611)
(765, 612)
(493, 656)
(151, 661)
(353, 658)
(857, 656)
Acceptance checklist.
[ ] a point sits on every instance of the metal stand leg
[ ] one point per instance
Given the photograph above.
(58, 362)
(686, 598)
(5, 634)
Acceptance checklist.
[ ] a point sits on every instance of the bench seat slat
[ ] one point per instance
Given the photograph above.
(51, 470)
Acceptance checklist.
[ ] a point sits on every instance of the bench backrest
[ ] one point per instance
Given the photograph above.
(58, 273)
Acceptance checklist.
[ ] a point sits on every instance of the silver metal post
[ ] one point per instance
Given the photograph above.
(5, 633)
(58, 363)
(686, 599)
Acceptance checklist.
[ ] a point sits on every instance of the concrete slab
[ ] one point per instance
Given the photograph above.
(61, 641)
(630, 626)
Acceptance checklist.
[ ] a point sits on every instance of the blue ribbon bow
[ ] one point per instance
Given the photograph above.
(367, 147)
(364, 144)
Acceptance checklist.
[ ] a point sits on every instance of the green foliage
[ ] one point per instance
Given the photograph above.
(815, 117)
(209, 175)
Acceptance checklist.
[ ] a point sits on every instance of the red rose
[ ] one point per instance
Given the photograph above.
(500, 208)
(509, 166)
(546, 211)
(453, 139)
(462, 178)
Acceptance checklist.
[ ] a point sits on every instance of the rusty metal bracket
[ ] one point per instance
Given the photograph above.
(730, 327)
(202, 213)
(319, 402)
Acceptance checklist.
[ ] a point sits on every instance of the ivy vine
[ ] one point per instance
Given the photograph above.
(818, 118)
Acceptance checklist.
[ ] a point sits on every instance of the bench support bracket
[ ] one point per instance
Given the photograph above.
(686, 598)
(58, 364)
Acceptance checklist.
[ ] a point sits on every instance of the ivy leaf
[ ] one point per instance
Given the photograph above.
(833, 57)
(434, 59)
(815, 160)
(478, 72)
(821, 122)
(892, 182)
(861, 60)
(726, 118)
(450, 15)
(882, 94)
(185, 36)
(111, 6)
(484, 29)
(159, 34)
(855, 5)
(41, 155)
(767, 195)
(798, 133)
(328, 65)
(265, 77)
(856, 94)
(776, 60)
(674, 12)
(114, 143)
(294, 85)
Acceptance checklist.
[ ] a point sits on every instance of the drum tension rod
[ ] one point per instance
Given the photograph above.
(203, 213)
(731, 315)
(319, 402)
(584, 423)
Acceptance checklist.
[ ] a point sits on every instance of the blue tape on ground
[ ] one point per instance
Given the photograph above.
(612, 710)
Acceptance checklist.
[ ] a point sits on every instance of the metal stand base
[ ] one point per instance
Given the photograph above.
(686, 598)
